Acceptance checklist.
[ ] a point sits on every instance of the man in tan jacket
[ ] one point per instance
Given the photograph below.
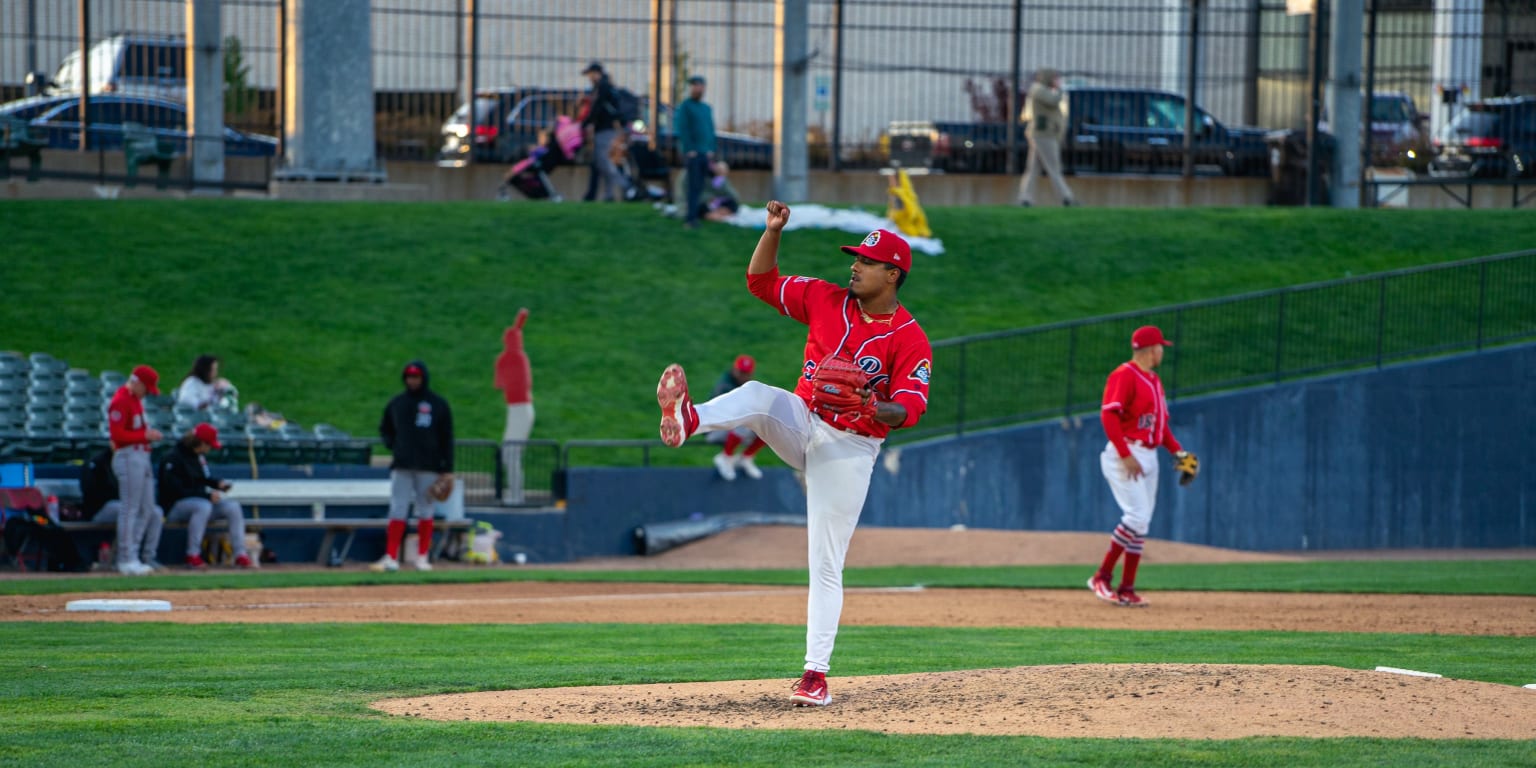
(1045, 122)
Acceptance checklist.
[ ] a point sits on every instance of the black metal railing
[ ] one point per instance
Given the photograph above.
(1058, 370)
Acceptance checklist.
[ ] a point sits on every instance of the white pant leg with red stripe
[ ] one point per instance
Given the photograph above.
(837, 467)
(1136, 497)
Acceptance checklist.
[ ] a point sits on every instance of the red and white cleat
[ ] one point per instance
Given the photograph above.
(811, 690)
(678, 418)
(1102, 590)
(1129, 599)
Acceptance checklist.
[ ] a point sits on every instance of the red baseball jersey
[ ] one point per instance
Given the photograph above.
(894, 352)
(1135, 409)
(125, 419)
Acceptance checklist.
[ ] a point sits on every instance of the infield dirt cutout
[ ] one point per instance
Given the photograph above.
(1211, 701)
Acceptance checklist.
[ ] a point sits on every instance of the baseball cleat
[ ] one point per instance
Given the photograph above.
(196, 561)
(1129, 599)
(749, 468)
(811, 690)
(1102, 590)
(726, 466)
(678, 418)
(244, 561)
(385, 564)
(421, 563)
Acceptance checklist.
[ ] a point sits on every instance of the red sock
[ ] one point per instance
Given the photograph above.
(1128, 577)
(424, 536)
(1107, 568)
(392, 538)
(732, 442)
(757, 445)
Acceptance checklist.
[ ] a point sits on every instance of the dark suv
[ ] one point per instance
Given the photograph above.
(1113, 130)
(1493, 138)
(507, 122)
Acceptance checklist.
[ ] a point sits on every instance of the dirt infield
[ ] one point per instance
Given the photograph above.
(1195, 701)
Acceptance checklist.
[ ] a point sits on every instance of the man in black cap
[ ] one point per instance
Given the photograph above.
(602, 127)
(694, 122)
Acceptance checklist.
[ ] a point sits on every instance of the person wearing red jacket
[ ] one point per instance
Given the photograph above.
(514, 377)
(1135, 418)
(861, 321)
(132, 440)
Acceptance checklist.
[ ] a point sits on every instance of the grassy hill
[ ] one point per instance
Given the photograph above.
(316, 307)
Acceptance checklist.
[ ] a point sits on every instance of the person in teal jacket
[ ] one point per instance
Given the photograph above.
(694, 122)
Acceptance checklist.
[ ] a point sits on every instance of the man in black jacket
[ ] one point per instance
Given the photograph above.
(99, 502)
(418, 429)
(191, 495)
(602, 127)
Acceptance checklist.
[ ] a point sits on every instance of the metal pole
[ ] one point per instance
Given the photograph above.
(657, 52)
(1367, 153)
(85, 74)
(472, 38)
(1189, 88)
(280, 98)
(32, 39)
(730, 69)
(1318, 52)
(1011, 119)
(1251, 81)
(837, 86)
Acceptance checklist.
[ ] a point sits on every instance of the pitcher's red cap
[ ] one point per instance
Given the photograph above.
(885, 247)
(745, 363)
(208, 434)
(1148, 336)
(149, 378)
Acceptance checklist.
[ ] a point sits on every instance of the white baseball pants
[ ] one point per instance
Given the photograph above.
(519, 426)
(136, 491)
(1135, 497)
(837, 467)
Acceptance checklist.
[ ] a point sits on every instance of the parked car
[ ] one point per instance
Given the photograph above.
(1399, 131)
(60, 124)
(509, 121)
(136, 65)
(32, 106)
(1492, 138)
(1111, 130)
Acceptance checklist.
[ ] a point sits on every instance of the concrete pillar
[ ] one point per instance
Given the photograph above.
(1345, 100)
(791, 30)
(328, 92)
(1457, 56)
(205, 92)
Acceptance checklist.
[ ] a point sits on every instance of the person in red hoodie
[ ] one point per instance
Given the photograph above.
(132, 440)
(514, 377)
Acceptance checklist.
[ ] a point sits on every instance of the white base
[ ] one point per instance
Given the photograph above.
(118, 605)
(1414, 673)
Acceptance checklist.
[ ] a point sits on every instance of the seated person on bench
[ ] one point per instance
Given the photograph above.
(190, 495)
(98, 499)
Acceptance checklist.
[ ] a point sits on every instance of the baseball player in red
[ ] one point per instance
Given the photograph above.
(834, 443)
(514, 377)
(132, 439)
(1135, 417)
(727, 461)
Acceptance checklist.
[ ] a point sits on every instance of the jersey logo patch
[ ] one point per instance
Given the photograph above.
(872, 239)
(922, 372)
(1147, 421)
(424, 415)
(808, 371)
(869, 364)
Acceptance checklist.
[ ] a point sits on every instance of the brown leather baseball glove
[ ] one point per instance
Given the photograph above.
(840, 386)
(442, 487)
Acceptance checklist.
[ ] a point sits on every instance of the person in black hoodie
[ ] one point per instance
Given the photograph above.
(191, 495)
(99, 502)
(418, 429)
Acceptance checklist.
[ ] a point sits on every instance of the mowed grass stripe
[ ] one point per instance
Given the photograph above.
(1428, 577)
(153, 694)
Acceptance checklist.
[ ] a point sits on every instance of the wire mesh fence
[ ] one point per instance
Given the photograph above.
(956, 66)
(1270, 337)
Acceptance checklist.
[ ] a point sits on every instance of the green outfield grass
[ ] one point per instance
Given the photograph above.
(316, 307)
(165, 694)
(1427, 577)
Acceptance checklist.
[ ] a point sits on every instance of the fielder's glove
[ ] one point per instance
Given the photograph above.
(840, 386)
(1187, 465)
(442, 487)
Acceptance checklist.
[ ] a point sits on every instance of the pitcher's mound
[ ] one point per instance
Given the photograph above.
(1200, 701)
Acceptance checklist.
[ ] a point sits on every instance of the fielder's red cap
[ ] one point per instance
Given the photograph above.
(412, 370)
(1148, 336)
(149, 378)
(208, 434)
(745, 364)
(885, 247)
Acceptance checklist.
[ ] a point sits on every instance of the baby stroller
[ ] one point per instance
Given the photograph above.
(530, 175)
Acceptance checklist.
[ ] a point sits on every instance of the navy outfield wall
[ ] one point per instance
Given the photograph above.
(1431, 454)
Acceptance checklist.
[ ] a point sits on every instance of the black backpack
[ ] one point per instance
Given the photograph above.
(625, 106)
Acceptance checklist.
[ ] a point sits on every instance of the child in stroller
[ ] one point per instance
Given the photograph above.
(530, 175)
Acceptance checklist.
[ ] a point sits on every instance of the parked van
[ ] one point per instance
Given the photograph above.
(130, 64)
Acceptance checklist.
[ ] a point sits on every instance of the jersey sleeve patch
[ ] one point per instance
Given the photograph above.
(923, 371)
